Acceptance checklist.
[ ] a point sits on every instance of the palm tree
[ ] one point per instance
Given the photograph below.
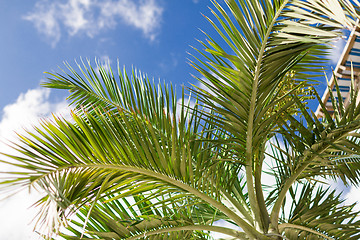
(133, 163)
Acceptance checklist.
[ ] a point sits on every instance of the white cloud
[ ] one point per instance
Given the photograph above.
(16, 213)
(26, 111)
(74, 15)
(145, 16)
(188, 105)
(223, 223)
(45, 22)
(353, 196)
(204, 87)
(16, 217)
(105, 62)
(92, 16)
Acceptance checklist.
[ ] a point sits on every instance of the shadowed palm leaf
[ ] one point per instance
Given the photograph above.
(133, 163)
(319, 214)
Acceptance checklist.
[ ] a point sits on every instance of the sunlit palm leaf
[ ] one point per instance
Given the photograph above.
(121, 152)
(265, 40)
(244, 77)
(318, 148)
(320, 214)
(186, 167)
(119, 219)
(100, 90)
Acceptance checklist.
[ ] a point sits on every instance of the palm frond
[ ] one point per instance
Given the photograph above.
(98, 89)
(320, 148)
(318, 213)
(264, 41)
(123, 154)
(132, 163)
(119, 219)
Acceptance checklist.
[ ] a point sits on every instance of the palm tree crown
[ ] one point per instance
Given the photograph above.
(133, 163)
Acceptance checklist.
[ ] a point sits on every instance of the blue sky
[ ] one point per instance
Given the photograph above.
(152, 36)
(39, 35)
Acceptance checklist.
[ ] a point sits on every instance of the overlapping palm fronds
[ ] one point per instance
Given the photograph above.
(319, 214)
(132, 163)
(78, 162)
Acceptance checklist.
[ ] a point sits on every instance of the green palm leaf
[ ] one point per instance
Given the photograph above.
(138, 221)
(244, 76)
(317, 148)
(121, 152)
(131, 163)
(320, 214)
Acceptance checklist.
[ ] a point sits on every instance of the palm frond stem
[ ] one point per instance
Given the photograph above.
(239, 206)
(227, 231)
(308, 157)
(289, 225)
(250, 230)
(257, 201)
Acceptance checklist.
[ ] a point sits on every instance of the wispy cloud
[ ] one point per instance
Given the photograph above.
(170, 63)
(92, 16)
(45, 21)
(145, 16)
(17, 116)
(105, 62)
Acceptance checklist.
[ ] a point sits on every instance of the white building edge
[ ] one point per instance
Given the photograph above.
(349, 58)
